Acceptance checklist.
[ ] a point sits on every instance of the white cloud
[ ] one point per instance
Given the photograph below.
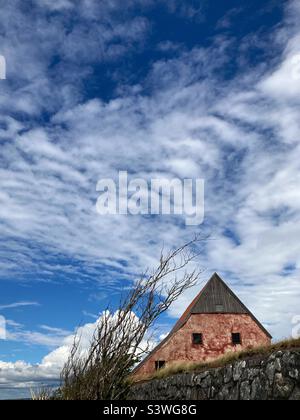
(48, 337)
(22, 374)
(57, 5)
(284, 83)
(241, 136)
(18, 305)
(25, 375)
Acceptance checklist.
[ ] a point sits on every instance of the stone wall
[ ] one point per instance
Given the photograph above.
(275, 377)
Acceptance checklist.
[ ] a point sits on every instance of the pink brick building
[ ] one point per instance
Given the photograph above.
(215, 323)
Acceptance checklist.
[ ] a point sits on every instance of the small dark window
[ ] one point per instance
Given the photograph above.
(236, 339)
(160, 364)
(197, 338)
(219, 308)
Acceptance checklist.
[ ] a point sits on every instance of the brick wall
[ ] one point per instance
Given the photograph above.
(217, 332)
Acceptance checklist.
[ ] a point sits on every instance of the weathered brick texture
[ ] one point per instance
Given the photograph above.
(217, 332)
(216, 313)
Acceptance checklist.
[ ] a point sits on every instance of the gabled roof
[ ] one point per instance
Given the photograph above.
(215, 298)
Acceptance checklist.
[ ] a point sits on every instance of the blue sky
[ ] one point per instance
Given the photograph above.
(188, 89)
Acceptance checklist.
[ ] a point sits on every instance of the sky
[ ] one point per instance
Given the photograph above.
(165, 88)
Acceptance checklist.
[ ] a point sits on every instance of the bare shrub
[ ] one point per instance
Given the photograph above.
(122, 337)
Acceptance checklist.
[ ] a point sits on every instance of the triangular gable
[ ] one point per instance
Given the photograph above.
(215, 297)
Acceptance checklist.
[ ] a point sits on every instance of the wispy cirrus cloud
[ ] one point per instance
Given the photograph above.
(183, 119)
(16, 305)
(193, 123)
(44, 336)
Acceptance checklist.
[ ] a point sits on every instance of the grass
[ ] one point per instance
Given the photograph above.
(229, 358)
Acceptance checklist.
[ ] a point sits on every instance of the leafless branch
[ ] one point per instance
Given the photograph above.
(122, 337)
